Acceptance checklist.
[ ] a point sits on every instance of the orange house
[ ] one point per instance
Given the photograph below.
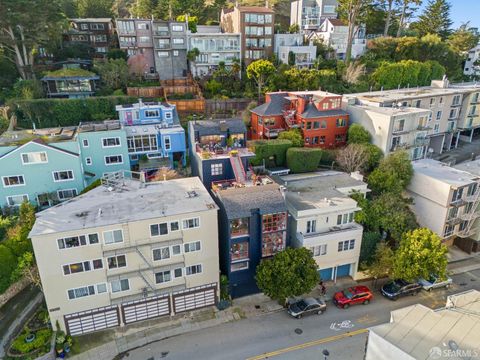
(317, 114)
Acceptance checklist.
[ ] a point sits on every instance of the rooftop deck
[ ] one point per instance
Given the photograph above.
(216, 151)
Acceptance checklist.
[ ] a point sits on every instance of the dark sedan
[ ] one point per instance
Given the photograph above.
(307, 306)
(398, 288)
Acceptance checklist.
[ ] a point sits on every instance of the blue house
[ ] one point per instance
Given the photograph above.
(218, 151)
(154, 135)
(252, 227)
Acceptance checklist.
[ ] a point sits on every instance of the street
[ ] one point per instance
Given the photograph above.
(341, 332)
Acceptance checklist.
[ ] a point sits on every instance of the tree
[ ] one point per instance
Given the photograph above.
(370, 241)
(27, 25)
(144, 9)
(8, 263)
(462, 40)
(294, 135)
(374, 155)
(293, 29)
(27, 268)
(421, 254)
(259, 71)
(405, 6)
(113, 73)
(358, 135)
(117, 54)
(435, 19)
(94, 8)
(292, 272)
(192, 22)
(352, 158)
(392, 175)
(382, 261)
(120, 8)
(352, 11)
(389, 4)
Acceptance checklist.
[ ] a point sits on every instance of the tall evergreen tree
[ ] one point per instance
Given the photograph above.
(435, 19)
(407, 8)
(94, 8)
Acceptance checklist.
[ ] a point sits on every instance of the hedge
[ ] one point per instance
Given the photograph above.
(66, 112)
(272, 151)
(301, 160)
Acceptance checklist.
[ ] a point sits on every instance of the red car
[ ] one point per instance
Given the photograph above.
(351, 296)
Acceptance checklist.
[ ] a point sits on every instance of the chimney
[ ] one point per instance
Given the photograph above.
(266, 4)
(236, 4)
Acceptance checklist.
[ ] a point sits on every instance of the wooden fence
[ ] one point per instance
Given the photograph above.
(146, 92)
(227, 106)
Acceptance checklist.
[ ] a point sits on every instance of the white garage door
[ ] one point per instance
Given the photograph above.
(92, 320)
(196, 298)
(148, 308)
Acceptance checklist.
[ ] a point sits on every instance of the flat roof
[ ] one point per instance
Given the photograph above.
(417, 329)
(54, 134)
(442, 172)
(93, 20)
(391, 111)
(472, 167)
(131, 201)
(105, 125)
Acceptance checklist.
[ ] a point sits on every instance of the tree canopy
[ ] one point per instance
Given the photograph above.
(358, 135)
(435, 19)
(392, 175)
(259, 71)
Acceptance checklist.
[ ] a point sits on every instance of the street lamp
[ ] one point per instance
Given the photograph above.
(325, 353)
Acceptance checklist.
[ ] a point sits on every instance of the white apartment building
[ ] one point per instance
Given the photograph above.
(470, 69)
(322, 219)
(310, 14)
(284, 44)
(334, 33)
(214, 47)
(445, 199)
(446, 103)
(469, 120)
(395, 128)
(128, 251)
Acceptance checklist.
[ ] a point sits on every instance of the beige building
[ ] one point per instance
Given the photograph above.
(322, 219)
(445, 199)
(446, 103)
(128, 251)
(469, 120)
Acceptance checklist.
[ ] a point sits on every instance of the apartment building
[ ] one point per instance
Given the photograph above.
(469, 118)
(256, 26)
(214, 47)
(395, 128)
(317, 114)
(252, 227)
(128, 251)
(472, 67)
(94, 32)
(445, 199)
(334, 33)
(322, 219)
(445, 102)
(218, 150)
(310, 14)
(288, 45)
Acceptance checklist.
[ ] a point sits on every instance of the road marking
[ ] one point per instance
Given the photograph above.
(345, 324)
(308, 344)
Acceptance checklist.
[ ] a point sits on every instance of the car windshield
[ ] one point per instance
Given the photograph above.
(395, 286)
(302, 305)
(432, 279)
(348, 294)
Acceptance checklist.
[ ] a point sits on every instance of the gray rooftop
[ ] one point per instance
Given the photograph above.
(393, 111)
(311, 112)
(135, 201)
(239, 202)
(472, 167)
(442, 172)
(219, 127)
(273, 107)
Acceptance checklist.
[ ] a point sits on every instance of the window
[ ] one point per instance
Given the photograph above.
(97, 26)
(194, 269)
(268, 30)
(118, 261)
(81, 292)
(217, 169)
(432, 102)
(323, 124)
(178, 272)
(439, 115)
(144, 39)
(174, 226)
(239, 266)
(239, 227)
(178, 41)
(159, 229)
(65, 175)
(316, 124)
(448, 230)
(162, 276)
(472, 188)
(418, 103)
(268, 19)
(239, 251)
(311, 226)
(120, 285)
(341, 122)
(399, 125)
(84, 26)
(436, 128)
(72, 241)
(97, 264)
(308, 125)
(274, 222)
(111, 142)
(322, 140)
(14, 180)
(34, 158)
(162, 53)
(453, 113)
(166, 143)
(168, 115)
(176, 250)
(161, 253)
(177, 28)
(339, 138)
(113, 159)
(85, 143)
(192, 247)
(457, 194)
(273, 243)
(346, 245)
(66, 194)
(112, 236)
(345, 218)
(76, 268)
(456, 100)
(191, 223)
(319, 250)
(101, 288)
(88, 161)
(16, 200)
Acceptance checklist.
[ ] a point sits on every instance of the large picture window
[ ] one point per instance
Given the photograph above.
(274, 222)
(273, 243)
(239, 251)
(239, 227)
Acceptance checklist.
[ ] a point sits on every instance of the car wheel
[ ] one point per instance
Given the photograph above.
(429, 289)
(346, 306)
(395, 298)
(298, 316)
(366, 302)
(447, 286)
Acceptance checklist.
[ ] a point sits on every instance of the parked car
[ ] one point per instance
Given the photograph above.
(351, 296)
(306, 306)
(397, 288)
(435, 282)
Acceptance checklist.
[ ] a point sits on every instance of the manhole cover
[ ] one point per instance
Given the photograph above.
(298, 331)
(164, 353)
(257, 306)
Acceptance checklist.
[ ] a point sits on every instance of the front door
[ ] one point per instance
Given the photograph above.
(128, 118)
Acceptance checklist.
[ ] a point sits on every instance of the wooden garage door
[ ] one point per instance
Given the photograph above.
(147, 308)
(92, 320)
(195, 298)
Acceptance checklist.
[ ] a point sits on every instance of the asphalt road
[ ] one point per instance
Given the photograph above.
(277, 335)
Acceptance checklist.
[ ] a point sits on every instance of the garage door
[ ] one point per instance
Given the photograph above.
(195, 298)
(325, 274)
(92, 320)
(147, 308)
(343, 270)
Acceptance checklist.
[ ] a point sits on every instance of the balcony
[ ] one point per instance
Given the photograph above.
(128, 44)
(455, 220)
(126, 31)
(401, 146)
(458, 202)
(161, 33)
(330, 231)
(218, 151)
(271, 132)
(421, 127)
(403, 130)
(422, 141)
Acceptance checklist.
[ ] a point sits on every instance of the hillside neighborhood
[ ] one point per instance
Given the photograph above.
(239, 179)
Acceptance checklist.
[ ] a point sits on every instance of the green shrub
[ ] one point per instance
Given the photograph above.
(66, 112)
(3, 124)
(8, 263)
(93, 185)
(369, 244)
(301, 160)
(41, 337)
(272, 151)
